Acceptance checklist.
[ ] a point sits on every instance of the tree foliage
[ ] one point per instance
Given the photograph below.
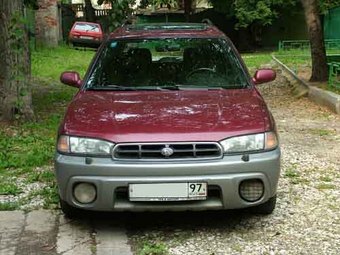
(167, 3)
(261, 12)
(328, 4)
(121, 11)
(247, 12)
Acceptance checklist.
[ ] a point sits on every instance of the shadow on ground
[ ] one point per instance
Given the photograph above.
(134, 221)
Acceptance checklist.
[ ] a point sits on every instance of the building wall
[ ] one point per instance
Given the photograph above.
(94, 4)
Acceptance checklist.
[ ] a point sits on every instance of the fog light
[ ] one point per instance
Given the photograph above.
(85, 193)
(251, 190)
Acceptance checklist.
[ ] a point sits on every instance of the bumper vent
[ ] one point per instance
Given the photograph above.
(167, 151)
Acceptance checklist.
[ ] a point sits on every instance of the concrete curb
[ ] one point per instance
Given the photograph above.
(315, 94)
(325, 98)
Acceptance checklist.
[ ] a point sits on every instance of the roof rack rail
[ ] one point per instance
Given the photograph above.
(167, 26)
(207, 21)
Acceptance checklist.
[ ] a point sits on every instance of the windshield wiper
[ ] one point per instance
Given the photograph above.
(226, 87)
(124, 88)
(181, 87)
(170, 87)
(188, 87)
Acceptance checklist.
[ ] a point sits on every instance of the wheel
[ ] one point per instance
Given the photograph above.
(69, 211)
(266, 208)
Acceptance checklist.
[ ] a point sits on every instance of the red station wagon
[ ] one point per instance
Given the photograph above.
(86, 34)
(167, 118)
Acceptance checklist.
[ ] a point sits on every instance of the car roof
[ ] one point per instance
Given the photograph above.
(167, 30)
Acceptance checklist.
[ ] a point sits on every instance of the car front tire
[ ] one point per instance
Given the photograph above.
(69, 211)
(265, 208)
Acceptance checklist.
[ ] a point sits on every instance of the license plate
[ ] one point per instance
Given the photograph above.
(86, 37)
(168, 191)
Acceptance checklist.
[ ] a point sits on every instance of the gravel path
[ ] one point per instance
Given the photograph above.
(306, 219)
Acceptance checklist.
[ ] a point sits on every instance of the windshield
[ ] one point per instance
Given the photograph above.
(86, 27)
(178, 63)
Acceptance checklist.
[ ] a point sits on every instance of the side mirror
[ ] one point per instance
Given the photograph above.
(264, 75)
(71, 78)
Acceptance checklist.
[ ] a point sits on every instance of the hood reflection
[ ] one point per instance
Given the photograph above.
(115, 114)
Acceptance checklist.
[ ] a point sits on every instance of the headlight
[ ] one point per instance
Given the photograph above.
(84, 146)
(255, 142)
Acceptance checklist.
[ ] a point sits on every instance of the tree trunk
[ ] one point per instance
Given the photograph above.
(315, 31)
(47, 25)
(187, 9)
(90, 14)
(15, 94)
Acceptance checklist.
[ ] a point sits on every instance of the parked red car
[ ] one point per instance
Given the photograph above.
(86, 34)
(167, 118)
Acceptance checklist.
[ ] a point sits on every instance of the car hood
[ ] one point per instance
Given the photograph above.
(154, 116)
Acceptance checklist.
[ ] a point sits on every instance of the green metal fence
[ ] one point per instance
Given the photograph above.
(293, 45)
(334, 75)
(298, 51)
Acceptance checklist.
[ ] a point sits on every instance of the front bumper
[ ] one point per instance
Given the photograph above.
(86, 42)
(112, 178)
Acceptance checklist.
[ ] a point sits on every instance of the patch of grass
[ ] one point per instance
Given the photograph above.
(322, 132)
(31, 147)
(9, 206)
(93, 249)
(256, 60)
(9, 188)
(333, 89)
(237, 248)
(323, 186)
(326, 179)
(49, 194)
(291, 173)
(44, 176)
(150, 248)
(294, 176)
(295, 62)
(54, 99)
(50, 63)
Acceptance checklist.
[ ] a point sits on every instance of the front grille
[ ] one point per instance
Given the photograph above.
(170, 151)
